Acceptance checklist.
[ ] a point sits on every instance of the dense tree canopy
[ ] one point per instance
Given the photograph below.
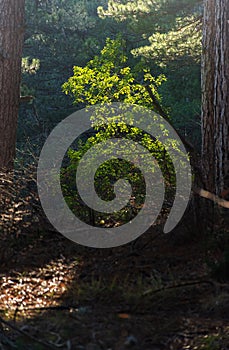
(59, 35)
(172, 28)
(55, 43)
(168, 35)
(82, 56)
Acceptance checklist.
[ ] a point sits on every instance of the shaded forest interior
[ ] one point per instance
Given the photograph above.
(165, 291)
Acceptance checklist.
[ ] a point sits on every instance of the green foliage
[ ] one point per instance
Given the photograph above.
(108, 78)
(64, 33)
(113, 170)
(105, 79)
(30, 66)
(182, 41)
(168, 38)
(59, 34)
(181, 96)
(171, 26)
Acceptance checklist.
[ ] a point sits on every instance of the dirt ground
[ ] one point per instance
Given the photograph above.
(155, 293)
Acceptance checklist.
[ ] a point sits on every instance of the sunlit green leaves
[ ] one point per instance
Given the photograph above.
(172, 27)
(108, 78)
(182, 41)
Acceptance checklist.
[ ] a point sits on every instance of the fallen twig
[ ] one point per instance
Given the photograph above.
(20, 331)
(181, 285)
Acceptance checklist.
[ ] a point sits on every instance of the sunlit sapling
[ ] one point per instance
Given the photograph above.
(108, 78)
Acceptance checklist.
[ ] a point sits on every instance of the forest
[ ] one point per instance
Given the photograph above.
(114, 174)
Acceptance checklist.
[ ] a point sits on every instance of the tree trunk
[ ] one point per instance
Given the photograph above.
(215, 94)
(11, 44)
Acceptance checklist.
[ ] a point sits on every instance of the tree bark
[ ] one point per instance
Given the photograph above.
(215, 96)
(11, 45)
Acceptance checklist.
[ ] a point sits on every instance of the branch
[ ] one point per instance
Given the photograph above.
(181, 285)
(27, 98)
(161, 111)
(190, 23)
(156, 103)
(209, 195)
(20, 331)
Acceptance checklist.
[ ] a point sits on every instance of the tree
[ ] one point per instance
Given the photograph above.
(89, 87)
(171, 27)
(59, 34)
(175, 35)
(168, 35)
(11, 44)
(109, 78)
(215, 98)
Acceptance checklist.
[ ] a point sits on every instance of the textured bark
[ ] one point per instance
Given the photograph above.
(11, 44)
(215, 95)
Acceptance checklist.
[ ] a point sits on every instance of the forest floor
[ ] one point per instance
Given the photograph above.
(154, 294)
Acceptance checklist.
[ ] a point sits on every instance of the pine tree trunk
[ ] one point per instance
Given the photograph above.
(215, 113)
(11, 44)
(215, 92)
